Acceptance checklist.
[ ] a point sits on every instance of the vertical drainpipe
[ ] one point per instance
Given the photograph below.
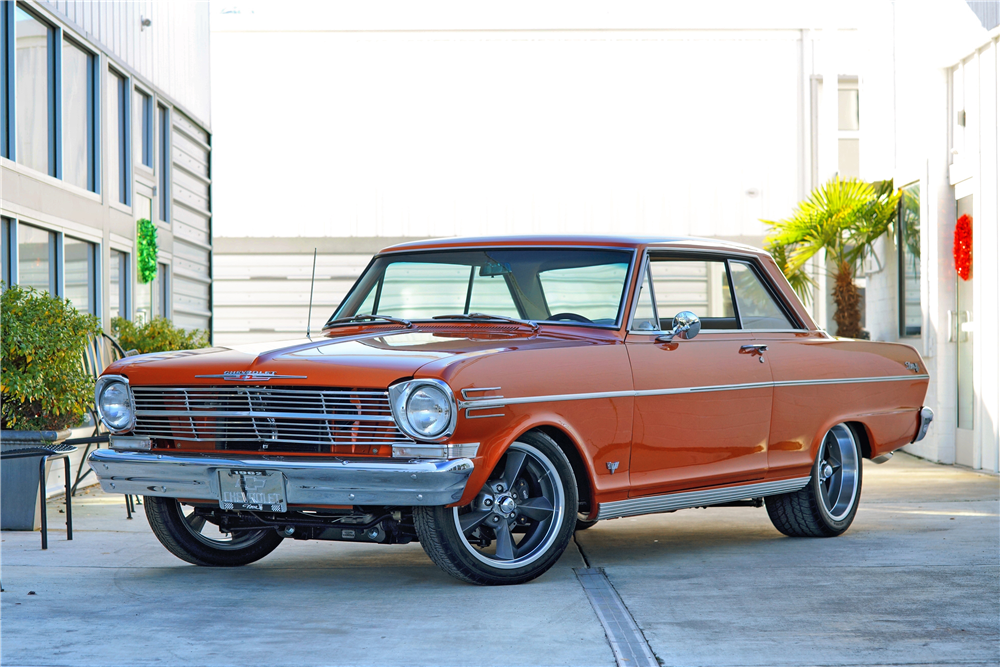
(827, 144)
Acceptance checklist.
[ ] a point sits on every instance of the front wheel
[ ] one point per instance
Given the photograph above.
(192, 538)
(826, 506)
(517, 526)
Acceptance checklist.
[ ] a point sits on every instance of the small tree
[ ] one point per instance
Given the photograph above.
(844, 218)
(43, 384)
(157, 335)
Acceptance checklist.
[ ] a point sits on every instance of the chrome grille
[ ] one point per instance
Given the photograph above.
(271, 418)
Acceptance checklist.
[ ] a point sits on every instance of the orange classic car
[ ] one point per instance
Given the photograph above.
(487, 397)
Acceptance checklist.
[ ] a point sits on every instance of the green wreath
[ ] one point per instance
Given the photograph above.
(145, 238)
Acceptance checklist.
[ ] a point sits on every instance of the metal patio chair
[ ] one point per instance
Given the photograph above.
(46, 452)
(101, 351)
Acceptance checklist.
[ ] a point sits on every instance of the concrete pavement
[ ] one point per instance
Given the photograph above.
(915, 581)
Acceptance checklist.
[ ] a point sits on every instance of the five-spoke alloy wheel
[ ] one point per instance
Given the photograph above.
(826, 506)
(517, 526)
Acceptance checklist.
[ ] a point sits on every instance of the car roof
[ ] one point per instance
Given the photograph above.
(687, 242)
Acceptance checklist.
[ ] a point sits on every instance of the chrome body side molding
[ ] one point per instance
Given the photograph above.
(499, 401)
(687, 499)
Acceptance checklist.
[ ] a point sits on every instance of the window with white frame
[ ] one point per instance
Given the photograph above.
(164, 164)
(7, 79)
(908, 244)
(119, 157)
(6, 245)
(142, 128)
(118, 274)
(848, 129)
(37, 262)
(80, 274)
(79, 111)
(35, 76)
(162, 286)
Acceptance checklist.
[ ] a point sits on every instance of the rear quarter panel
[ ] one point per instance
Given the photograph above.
(803, 412)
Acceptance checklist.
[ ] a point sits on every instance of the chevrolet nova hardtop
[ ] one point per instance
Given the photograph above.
(488, 397)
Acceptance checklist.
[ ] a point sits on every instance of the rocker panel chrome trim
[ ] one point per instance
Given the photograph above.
(688, 499)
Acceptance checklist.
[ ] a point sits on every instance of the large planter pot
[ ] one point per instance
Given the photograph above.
(19, 506)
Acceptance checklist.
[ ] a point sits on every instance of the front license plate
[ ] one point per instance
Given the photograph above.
(257, 490)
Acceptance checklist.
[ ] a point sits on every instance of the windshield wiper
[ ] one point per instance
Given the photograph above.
(485, 316)
(357, 319)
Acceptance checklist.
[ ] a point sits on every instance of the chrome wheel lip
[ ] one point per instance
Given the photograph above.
(558, 513)
(247, 539)
(837, 472)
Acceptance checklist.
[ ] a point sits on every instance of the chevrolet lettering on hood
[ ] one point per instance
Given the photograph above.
(488, 397)
(252, 376)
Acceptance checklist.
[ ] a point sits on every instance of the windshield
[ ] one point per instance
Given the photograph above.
(566, 285)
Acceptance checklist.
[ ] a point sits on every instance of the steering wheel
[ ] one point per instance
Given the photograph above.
(570, 316)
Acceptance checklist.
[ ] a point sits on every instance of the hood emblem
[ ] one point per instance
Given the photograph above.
(252, 376)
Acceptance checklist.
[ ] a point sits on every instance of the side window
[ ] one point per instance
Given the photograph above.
(645, 315)
(758, 309)
(700, 286)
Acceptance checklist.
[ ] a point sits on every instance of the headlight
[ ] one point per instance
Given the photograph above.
(114, 403)
(423, 409)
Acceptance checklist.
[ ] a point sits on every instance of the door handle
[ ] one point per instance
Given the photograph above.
(754, 349)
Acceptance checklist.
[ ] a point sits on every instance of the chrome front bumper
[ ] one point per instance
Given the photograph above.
(307, 481)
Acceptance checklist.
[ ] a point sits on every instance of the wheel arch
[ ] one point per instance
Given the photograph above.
(863, 437)
(581, 471)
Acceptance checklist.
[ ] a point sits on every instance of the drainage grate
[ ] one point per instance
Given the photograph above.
(627, 643)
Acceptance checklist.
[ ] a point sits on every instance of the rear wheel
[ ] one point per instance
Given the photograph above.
(517, 526)
(192, 538)
(582, 523)
(826, 506)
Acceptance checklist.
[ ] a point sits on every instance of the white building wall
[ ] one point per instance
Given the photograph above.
(173, 50)
(928, 40)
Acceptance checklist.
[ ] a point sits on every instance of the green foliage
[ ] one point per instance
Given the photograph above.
(800, 281)
(844, 217)
(145, 238)
(43, 384)
(157, 335)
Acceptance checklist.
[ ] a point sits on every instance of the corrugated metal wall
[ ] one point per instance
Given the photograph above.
(173, 51)
(261, 285)
(192, 224)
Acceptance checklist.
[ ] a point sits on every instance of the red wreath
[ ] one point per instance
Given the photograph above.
(963, 247)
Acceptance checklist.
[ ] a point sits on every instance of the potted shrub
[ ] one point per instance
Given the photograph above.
(157, 335)
(44, 390)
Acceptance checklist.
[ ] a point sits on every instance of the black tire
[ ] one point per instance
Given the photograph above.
(181, 535)
(544, 474)
(584, 524)
(818, 509)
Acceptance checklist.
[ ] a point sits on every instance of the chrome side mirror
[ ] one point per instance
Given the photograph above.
(686, 326)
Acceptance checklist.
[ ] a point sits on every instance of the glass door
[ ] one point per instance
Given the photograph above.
(964, 319)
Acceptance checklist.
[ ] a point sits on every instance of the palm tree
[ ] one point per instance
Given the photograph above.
(843, 217)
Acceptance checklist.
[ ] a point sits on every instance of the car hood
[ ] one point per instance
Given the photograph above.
(367, 359)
